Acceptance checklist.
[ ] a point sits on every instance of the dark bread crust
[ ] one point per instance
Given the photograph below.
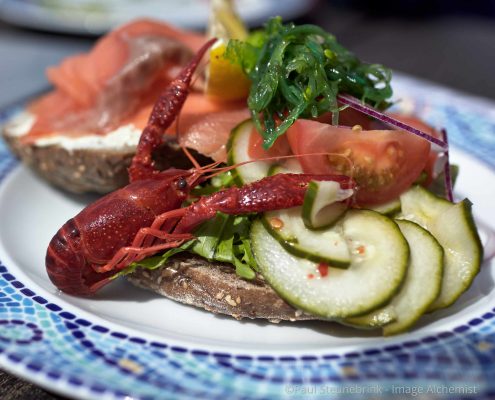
(215, 287)
(77, 171)
(90, 170)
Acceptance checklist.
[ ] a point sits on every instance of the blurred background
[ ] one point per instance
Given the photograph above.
(449, 42)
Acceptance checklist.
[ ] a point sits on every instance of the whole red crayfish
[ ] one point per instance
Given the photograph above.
(145, 217)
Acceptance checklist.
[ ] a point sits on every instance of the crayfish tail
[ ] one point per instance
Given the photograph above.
(67, 268)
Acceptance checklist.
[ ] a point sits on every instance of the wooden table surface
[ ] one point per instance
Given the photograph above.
(455, 49)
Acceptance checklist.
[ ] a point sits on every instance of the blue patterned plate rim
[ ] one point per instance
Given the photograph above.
(133, 369)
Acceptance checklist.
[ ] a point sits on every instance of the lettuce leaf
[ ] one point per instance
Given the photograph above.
(224, 238)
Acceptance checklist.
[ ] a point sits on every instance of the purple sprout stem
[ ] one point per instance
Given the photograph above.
(363, 108)
(446, 170)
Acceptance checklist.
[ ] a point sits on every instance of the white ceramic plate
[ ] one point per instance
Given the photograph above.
(128, 342)
(97, 17)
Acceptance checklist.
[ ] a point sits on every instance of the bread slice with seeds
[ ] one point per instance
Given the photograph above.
(215, 287)
(88, 164)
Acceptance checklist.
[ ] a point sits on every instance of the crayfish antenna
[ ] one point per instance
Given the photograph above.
(217, 171)
(190, 157)
(198, 171)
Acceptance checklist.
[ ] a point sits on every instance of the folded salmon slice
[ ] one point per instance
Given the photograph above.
(120, 79)
(94, 92)
(208, 132)
(131, 55)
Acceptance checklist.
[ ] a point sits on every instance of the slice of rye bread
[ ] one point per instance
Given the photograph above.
(89, 169)
(215, 287)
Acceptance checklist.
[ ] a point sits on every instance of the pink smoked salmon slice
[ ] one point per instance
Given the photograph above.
(83, 76)
(203, 124)
(96, 90)
(209, 133)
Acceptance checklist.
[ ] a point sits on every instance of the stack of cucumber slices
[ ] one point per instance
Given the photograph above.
(380, 268)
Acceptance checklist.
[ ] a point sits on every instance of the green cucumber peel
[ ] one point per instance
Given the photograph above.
(323, 205)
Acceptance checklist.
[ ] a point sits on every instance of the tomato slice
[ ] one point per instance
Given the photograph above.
(433, 157)
(384, 163)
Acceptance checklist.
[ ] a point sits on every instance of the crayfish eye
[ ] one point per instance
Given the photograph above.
(181, 184)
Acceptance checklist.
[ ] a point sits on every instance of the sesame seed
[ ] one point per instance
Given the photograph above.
(230, 301)
(219, 296)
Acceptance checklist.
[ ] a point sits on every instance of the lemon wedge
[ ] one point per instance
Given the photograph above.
(225, 80)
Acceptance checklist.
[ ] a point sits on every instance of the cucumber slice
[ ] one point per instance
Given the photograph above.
(453, 226)
(292, 165)
(423, 280)
(276, 169)
(379, 263)
(323, 205)
(390, 208)
(420, 288)
(289, 166)
(375, 319)
(237, 152)
(328, 245)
